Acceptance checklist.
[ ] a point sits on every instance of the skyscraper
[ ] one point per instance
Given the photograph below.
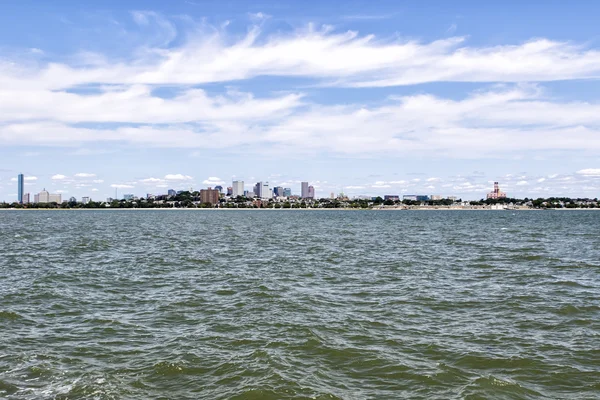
(311, 192)
(304, 190)
(262, 190)
(287, 192)
(237, 188)
(21, 182)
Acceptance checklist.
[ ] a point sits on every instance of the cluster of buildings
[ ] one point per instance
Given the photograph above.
(42, 197)
(260, 191)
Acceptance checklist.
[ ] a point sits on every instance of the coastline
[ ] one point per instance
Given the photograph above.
(297, 209)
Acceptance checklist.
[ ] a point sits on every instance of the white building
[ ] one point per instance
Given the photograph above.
(237, 188)
(262, 190)
(45, 197)
(85, 200)
(304, 190)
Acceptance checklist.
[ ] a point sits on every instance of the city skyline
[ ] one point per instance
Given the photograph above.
(383, 99)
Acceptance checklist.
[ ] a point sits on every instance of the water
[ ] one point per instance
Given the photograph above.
(299, 304)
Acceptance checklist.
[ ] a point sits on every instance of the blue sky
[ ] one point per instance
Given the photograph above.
(371, 98)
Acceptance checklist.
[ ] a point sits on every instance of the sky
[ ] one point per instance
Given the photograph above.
(109, 97)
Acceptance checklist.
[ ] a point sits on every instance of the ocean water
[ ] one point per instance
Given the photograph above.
(299, 304)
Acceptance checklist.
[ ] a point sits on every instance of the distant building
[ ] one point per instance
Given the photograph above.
(25, 199)
(435, 197)
(278, 191)
(451, 198)
(393, 197)
(262, 190)
(85, 200)
(171, 192)
(219, 188)
(21, 183)
(128, 197)
(229, 190)
(304, 190)
(332, 195)
(311, 192)
(150, 196)
(416, 197)
(209, 196)
(496, 193)
(72, 199)
(237, 188)
(287, 192)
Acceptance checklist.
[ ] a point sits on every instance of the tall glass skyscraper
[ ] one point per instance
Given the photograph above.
(20, 181)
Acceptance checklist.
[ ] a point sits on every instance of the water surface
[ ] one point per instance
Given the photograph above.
(299, 304)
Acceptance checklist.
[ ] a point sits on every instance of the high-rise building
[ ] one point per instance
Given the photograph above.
(42, 197)
(229, 191)
(311, 192)
(45, 197)
(209, 196)
(128, 197)
(278, 190)
(219, 188)
(304, 190)
(21, 183)
(237, 188)
(171, 192)
(287, 192)
(262, 190)
(25, 198)
(72, 199)
(85, 200)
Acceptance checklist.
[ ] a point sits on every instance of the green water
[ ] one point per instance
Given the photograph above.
(299, 305)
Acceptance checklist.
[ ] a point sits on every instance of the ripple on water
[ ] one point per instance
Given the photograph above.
(299, 305)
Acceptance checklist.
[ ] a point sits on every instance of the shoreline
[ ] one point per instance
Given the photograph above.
(296, 209)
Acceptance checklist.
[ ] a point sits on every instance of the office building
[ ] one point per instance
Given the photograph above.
(229, 190)
(45, 197)
(287, 192)
(304, 190)
(171, 192)
(262, 190)
(278, 191)
(209, 196)
(237, 188)
(219, 188)
(21, 183)
(128, 197)
(393, 197)
(85, 200)
(435, 197)
(311, 192)
(25, 198)
(496, 193)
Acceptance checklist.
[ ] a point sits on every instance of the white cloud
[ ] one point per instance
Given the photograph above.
(178, 177)
(522, 183)
(84, 175)
(58, 177)
(589, 172)
(121, 186)
(541, 180)
(94, 190)
(98, 181)
(213, 180)
(30, 178)
(152, 180)
(341, 58)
